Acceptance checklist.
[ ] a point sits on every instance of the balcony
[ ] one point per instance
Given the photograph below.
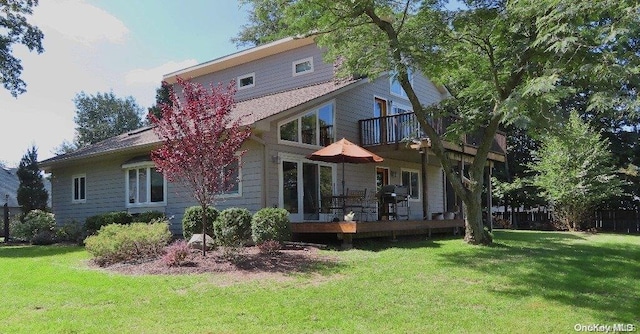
(401, 128)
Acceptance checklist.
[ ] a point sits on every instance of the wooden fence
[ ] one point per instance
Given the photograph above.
(618, 221)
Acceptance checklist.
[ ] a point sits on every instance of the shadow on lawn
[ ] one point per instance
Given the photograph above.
(28, 251)
(603, 277)
(402, 242)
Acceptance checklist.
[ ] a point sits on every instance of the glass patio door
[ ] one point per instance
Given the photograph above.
(304, 185)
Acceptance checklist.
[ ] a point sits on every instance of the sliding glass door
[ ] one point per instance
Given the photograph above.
(303, 186)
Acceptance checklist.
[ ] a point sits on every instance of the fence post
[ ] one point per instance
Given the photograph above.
(6, 222)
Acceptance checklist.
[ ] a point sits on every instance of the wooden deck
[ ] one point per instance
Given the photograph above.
(348, 230)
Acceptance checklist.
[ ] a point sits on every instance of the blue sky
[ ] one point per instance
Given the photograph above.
(94, 46)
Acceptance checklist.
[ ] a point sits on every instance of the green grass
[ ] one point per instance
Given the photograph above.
(528, 282)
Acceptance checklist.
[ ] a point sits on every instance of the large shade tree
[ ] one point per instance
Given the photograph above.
(576, 170)
(201, 140)
(14, 29)
(504, 62)
(104, 115)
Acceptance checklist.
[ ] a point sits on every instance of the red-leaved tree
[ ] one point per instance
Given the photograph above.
(201, 138)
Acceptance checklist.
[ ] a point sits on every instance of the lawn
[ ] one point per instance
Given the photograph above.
(528, 282)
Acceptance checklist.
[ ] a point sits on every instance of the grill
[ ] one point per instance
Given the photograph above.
(393, 194)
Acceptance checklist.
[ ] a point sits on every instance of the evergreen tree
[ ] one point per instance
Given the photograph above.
(31, 192)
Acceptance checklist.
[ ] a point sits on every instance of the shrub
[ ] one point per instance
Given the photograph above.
(270, 224)
(69, 232)
(176, 254)
(35, 223)
(94, 223)
(271, 247)
(192, 221)
(233, 227)
(149, 216)
(118, 243)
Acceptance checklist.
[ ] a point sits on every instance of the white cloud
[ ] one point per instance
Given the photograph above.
(154, 75)
(80, 21)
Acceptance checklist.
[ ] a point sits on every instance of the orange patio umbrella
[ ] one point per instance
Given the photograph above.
(344, 151)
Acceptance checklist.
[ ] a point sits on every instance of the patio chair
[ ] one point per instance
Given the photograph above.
(369, 207)
(355, 202)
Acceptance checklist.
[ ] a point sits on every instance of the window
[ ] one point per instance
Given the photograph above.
(145, 186)
(235, 180)
(411, 180)
(246, 81)
(396, 88)
(313, 128)
(79, 189)
(302, 66)
(400, 109)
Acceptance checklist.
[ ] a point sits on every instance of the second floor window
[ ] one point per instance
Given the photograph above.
(316, 127)
(246, 81)
(396, 88)
(302, 66)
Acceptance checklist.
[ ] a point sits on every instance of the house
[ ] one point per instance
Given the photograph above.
(295, 106)
(9, 183)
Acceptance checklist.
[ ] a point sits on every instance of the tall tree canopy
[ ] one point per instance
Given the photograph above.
(163, 96)
(104, 115)
(576, 170)
(266, 22)
(14, 29)
(31, 192)
(504, 62)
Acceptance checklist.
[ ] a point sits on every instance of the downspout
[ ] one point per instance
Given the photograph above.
(265, 179)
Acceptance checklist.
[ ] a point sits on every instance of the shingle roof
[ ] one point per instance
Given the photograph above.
(251, 111)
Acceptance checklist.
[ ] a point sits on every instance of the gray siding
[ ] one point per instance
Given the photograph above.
(106, 189)
(274, 74)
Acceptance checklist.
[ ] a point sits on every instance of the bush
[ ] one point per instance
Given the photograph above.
(35, 223)
(94, 223)
(69, 232)
(232, 228)
(192, 221)
(149, 216)
(270, 224)
(176, 254)
(118, 243)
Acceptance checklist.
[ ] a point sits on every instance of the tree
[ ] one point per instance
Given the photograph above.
(503, 62)
(162, 97)
(576, 171)
(201, 140)
(266, 23)
(31, 192)
(103, 116)
(14, 29)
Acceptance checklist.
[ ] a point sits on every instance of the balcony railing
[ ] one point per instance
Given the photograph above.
(399, 128)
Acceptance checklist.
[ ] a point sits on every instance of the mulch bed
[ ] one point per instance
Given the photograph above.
(250, 264)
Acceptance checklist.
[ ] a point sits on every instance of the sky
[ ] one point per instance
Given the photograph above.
(118, 46)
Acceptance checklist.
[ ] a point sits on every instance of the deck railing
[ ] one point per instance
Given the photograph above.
(395, 129)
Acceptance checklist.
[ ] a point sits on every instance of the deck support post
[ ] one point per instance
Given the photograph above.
(425, 202)
(489, 197)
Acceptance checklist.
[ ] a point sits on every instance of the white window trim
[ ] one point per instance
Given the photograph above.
(413, 199)
(297, 62)
(148, 166)
(73, 188)
(299, 160)
(392, 78)
(299, 116)
(249, 75)
(239, 193)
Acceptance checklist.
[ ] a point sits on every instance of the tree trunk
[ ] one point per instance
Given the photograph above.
(204, 230)
(475, 233)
